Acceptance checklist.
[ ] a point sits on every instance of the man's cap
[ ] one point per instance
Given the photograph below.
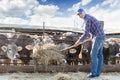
(80, 11)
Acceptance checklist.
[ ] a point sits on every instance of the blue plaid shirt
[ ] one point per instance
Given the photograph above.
(92, 27)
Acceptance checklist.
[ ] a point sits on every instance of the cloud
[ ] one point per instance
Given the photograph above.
(43, 0)
(116, 3)
(75, 7)
(16, 8)
(72, 22)
(12, 13)
(85, 2)
(54, 21)
(110, 17)
(106, 2)
(94, 8)
(111, 3)
(11, 20)
(46, 10)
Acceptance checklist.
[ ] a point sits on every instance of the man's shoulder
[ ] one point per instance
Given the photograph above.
(87, 16)
(90, 17)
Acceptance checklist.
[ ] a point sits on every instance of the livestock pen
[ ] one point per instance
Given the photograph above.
(57, 37)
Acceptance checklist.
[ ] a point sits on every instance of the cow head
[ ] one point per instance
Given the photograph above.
(12, 50)
(86, 47)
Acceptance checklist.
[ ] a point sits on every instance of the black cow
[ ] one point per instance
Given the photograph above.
(24, 40)
(72, 55)
(85, 51)
(111, 48)
(106, 52)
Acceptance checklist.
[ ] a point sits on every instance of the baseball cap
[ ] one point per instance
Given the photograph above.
(80, 11)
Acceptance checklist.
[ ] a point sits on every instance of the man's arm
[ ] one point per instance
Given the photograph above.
(78, 42)
(87, 31)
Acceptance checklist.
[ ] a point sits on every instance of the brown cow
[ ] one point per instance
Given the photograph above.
(23, 40)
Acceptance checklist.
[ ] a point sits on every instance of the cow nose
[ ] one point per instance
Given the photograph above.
(85, 51)
(16, 56)
(64, 60)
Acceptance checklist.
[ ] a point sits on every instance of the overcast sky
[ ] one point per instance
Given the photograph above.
(59, 13)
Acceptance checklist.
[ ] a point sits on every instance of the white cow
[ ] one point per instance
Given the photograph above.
(12, 50)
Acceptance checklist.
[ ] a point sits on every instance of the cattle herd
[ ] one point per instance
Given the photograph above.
(26, 49)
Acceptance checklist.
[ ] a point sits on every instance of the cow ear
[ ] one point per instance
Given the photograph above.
(4, 48)
(19, 48)
(29, 47)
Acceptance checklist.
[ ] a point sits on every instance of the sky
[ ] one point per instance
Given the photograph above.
(60, 13)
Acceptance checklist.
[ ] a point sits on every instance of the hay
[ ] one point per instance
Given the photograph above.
(49, 46)
(62, 76)
(47, 54)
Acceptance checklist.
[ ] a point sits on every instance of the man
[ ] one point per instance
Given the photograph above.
(94, 28)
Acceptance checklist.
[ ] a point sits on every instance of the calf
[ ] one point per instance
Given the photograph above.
(110, 49)
(9, 48)
(23, 40)
(12, 50)
(72, 55)
(106, 53)
(85, 50)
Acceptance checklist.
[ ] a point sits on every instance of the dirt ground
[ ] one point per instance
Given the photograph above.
(57, 76)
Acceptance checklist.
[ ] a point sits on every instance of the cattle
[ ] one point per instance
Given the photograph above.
(117, 58)
(23, 40)
(85, 51)
(3, 41)
(46, 52)
(111, 51)
(113, 47)
(72, 55)
(12, 50)
(84, 48)
(61, 46)
(69, 38)
(46, 39)
(106, 53)
(9, 48)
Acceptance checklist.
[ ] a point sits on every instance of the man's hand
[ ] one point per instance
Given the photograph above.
(77, 43)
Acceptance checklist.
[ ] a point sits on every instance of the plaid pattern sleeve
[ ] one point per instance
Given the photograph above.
(87, 30)
(92, 27)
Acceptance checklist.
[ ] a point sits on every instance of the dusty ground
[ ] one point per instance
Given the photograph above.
(57, 76)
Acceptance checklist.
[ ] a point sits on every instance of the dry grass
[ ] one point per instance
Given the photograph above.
(47, 54)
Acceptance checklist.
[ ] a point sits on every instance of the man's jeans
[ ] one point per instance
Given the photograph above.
(97, 55)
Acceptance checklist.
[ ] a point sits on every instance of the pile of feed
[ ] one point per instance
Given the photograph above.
(62, 76)
(47, 54)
